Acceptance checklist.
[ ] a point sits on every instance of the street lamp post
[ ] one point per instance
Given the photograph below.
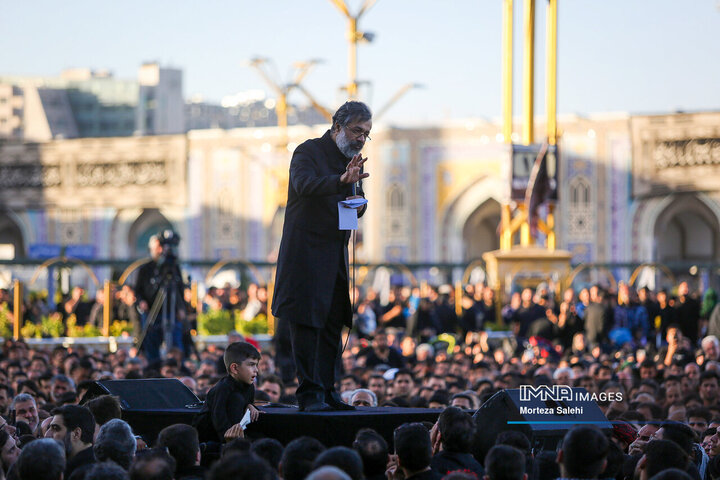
(354, 36)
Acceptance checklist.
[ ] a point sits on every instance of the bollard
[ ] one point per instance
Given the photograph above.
(17, 308)
(107, 308)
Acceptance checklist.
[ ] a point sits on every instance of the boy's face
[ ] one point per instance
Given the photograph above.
(246, 371)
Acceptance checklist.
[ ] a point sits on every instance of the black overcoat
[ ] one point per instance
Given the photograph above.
(312, 249)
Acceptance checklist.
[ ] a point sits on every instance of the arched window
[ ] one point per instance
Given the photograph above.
(395, 217)
(580, 210)
(396, 197)
(579, 191)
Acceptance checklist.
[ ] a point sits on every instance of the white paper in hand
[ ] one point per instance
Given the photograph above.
(354, 202)
(347, 217)
(245, 419)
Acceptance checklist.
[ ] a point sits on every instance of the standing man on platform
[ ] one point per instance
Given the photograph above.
(312, 291)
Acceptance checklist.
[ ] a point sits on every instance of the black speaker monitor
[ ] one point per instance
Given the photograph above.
(151, 404)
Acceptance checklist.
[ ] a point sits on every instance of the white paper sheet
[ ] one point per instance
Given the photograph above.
(245, 419)
(347, 217)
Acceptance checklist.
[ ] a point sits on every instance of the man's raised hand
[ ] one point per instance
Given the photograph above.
(352, 171)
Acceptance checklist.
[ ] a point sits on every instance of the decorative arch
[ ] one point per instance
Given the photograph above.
(11, 233)
(658, 212)
(395, 197)
(580, 191)
(459, 211)
(686, 230)
(150, 222)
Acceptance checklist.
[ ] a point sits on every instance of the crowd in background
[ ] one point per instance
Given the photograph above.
(659, 349)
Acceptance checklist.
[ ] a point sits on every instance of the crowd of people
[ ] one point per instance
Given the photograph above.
(659, 350)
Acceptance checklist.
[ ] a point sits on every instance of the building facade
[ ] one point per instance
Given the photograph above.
(632, 189)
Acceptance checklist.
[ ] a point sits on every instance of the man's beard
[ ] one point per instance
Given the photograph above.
(347, 147)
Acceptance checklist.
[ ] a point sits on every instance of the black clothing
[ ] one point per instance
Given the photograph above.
(316, 351)
(151, 276)
(668, 316)
(597, 322)
(78, 465)
(194, 472)
(525, 316)
(688, 312)
(445, 462)
(311, 283)
(312, 249)
(226, 403)
(393, 358)
(426, 475)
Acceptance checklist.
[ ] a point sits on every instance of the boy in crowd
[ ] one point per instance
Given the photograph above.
(230, 397)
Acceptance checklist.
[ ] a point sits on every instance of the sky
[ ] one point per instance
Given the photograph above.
(637, 56)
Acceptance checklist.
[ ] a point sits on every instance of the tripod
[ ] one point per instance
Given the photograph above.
(165, 307)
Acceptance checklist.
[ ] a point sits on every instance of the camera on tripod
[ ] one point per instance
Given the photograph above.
(169, 241)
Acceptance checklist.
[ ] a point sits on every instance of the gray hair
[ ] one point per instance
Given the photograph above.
(115, 441)
(710, 339)
(106, 471)
(328, 472)
(365, 390)
(41, 459)
(561, 370)
(63, 379)
(350, 111)
(22, 397)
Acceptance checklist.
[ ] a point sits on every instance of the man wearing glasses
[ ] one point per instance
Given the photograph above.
(311, 285)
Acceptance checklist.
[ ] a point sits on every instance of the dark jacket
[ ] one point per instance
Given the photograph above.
(426, 475)
(78, 466)
(444, 462)
(312, 248)
(226, 403)
(194, 472)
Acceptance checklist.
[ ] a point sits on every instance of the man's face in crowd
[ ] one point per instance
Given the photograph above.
(402, 385)
(27, 412)
(436, 383)
(377, 386)
(461, 402)
(362, 399)
(564, 378)
(672, 395)
(10, 452)
(692, 371)
(709, 389)
(699, 424)
(168, 371)
(711, 351)
(347, 384)
(58, 388)
(4, 401)
(266, 365)
(380, 342)
(202, 385)
(273, 391)
(710, 444)
(58, 431)
(603, 374)
(588, 384)
(647, 372)
(351, 138)
(441, 369)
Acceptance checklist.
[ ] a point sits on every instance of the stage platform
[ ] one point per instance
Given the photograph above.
(149, 405)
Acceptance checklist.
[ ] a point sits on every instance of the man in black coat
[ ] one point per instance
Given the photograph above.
(311, 286)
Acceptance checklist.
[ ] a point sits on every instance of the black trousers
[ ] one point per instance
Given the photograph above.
(316, 350)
